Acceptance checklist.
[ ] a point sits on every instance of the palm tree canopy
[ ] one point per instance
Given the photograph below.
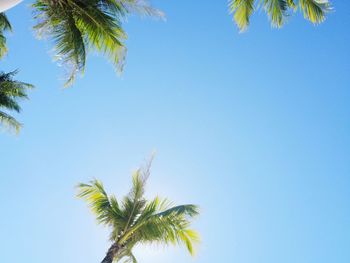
(80, 26)
(4, 26)
(135, 220)
(278, 10)
(10, 91)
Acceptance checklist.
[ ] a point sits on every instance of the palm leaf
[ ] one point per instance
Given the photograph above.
(277, 10)
(241, 10)
(315, 10)
(78, 27)
(4, 26)
(10, 92)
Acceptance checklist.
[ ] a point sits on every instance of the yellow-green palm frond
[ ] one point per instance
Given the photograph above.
(171, 226)
(241, 10)
(4, 26)
(315, 10)
(105, 208)
(277, 10)
(10, 92)
(80, 26)
(161, 222)
(9, 121)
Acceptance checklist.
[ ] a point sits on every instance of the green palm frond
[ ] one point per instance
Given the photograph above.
(80, 26)
(277, 10)
(105, 208)
(136, 220)
(4, 26)
(10, 92)
(241, 10)
(315, 10)
(170, 226)
(9, 121)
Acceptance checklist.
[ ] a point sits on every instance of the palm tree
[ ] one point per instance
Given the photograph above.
(80, 26)
(10, 91)
(278, 10)
(134, 220)
(4, 26)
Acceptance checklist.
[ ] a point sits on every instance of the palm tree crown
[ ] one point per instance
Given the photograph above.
(10, 91)
(79, 26)
(278, 10)
(135, 220)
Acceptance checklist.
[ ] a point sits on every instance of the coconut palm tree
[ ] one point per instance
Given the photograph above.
(4, 26)
(278, 10)
(80, 26)
(10, 91)
(134, 220)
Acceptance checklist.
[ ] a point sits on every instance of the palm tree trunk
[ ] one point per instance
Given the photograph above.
(111, 253)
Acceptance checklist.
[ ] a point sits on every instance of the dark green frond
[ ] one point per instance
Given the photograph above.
(188, 210)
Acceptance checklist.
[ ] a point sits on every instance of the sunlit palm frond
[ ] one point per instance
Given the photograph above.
(78, 27)
(105, 208)
(4, 26)
(9, 121)
(277, 11)
(168, 226)
(241, 10)
(313, 10)
(10, 92)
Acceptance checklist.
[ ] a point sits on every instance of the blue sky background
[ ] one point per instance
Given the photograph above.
(253, 127)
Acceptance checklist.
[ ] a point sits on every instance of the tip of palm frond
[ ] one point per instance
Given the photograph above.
(241, 11)
(315, 10)
(190, 239)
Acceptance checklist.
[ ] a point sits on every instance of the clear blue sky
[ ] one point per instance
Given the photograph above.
(253, 127)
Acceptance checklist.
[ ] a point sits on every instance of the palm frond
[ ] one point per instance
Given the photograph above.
(4, 26)
(315, 10)
(142, 7)
(9, 121)
(10, 92)
(106, 209)
(241, 10)
(78, 27)
(172, 228)
(164, 226)
(277, 11)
